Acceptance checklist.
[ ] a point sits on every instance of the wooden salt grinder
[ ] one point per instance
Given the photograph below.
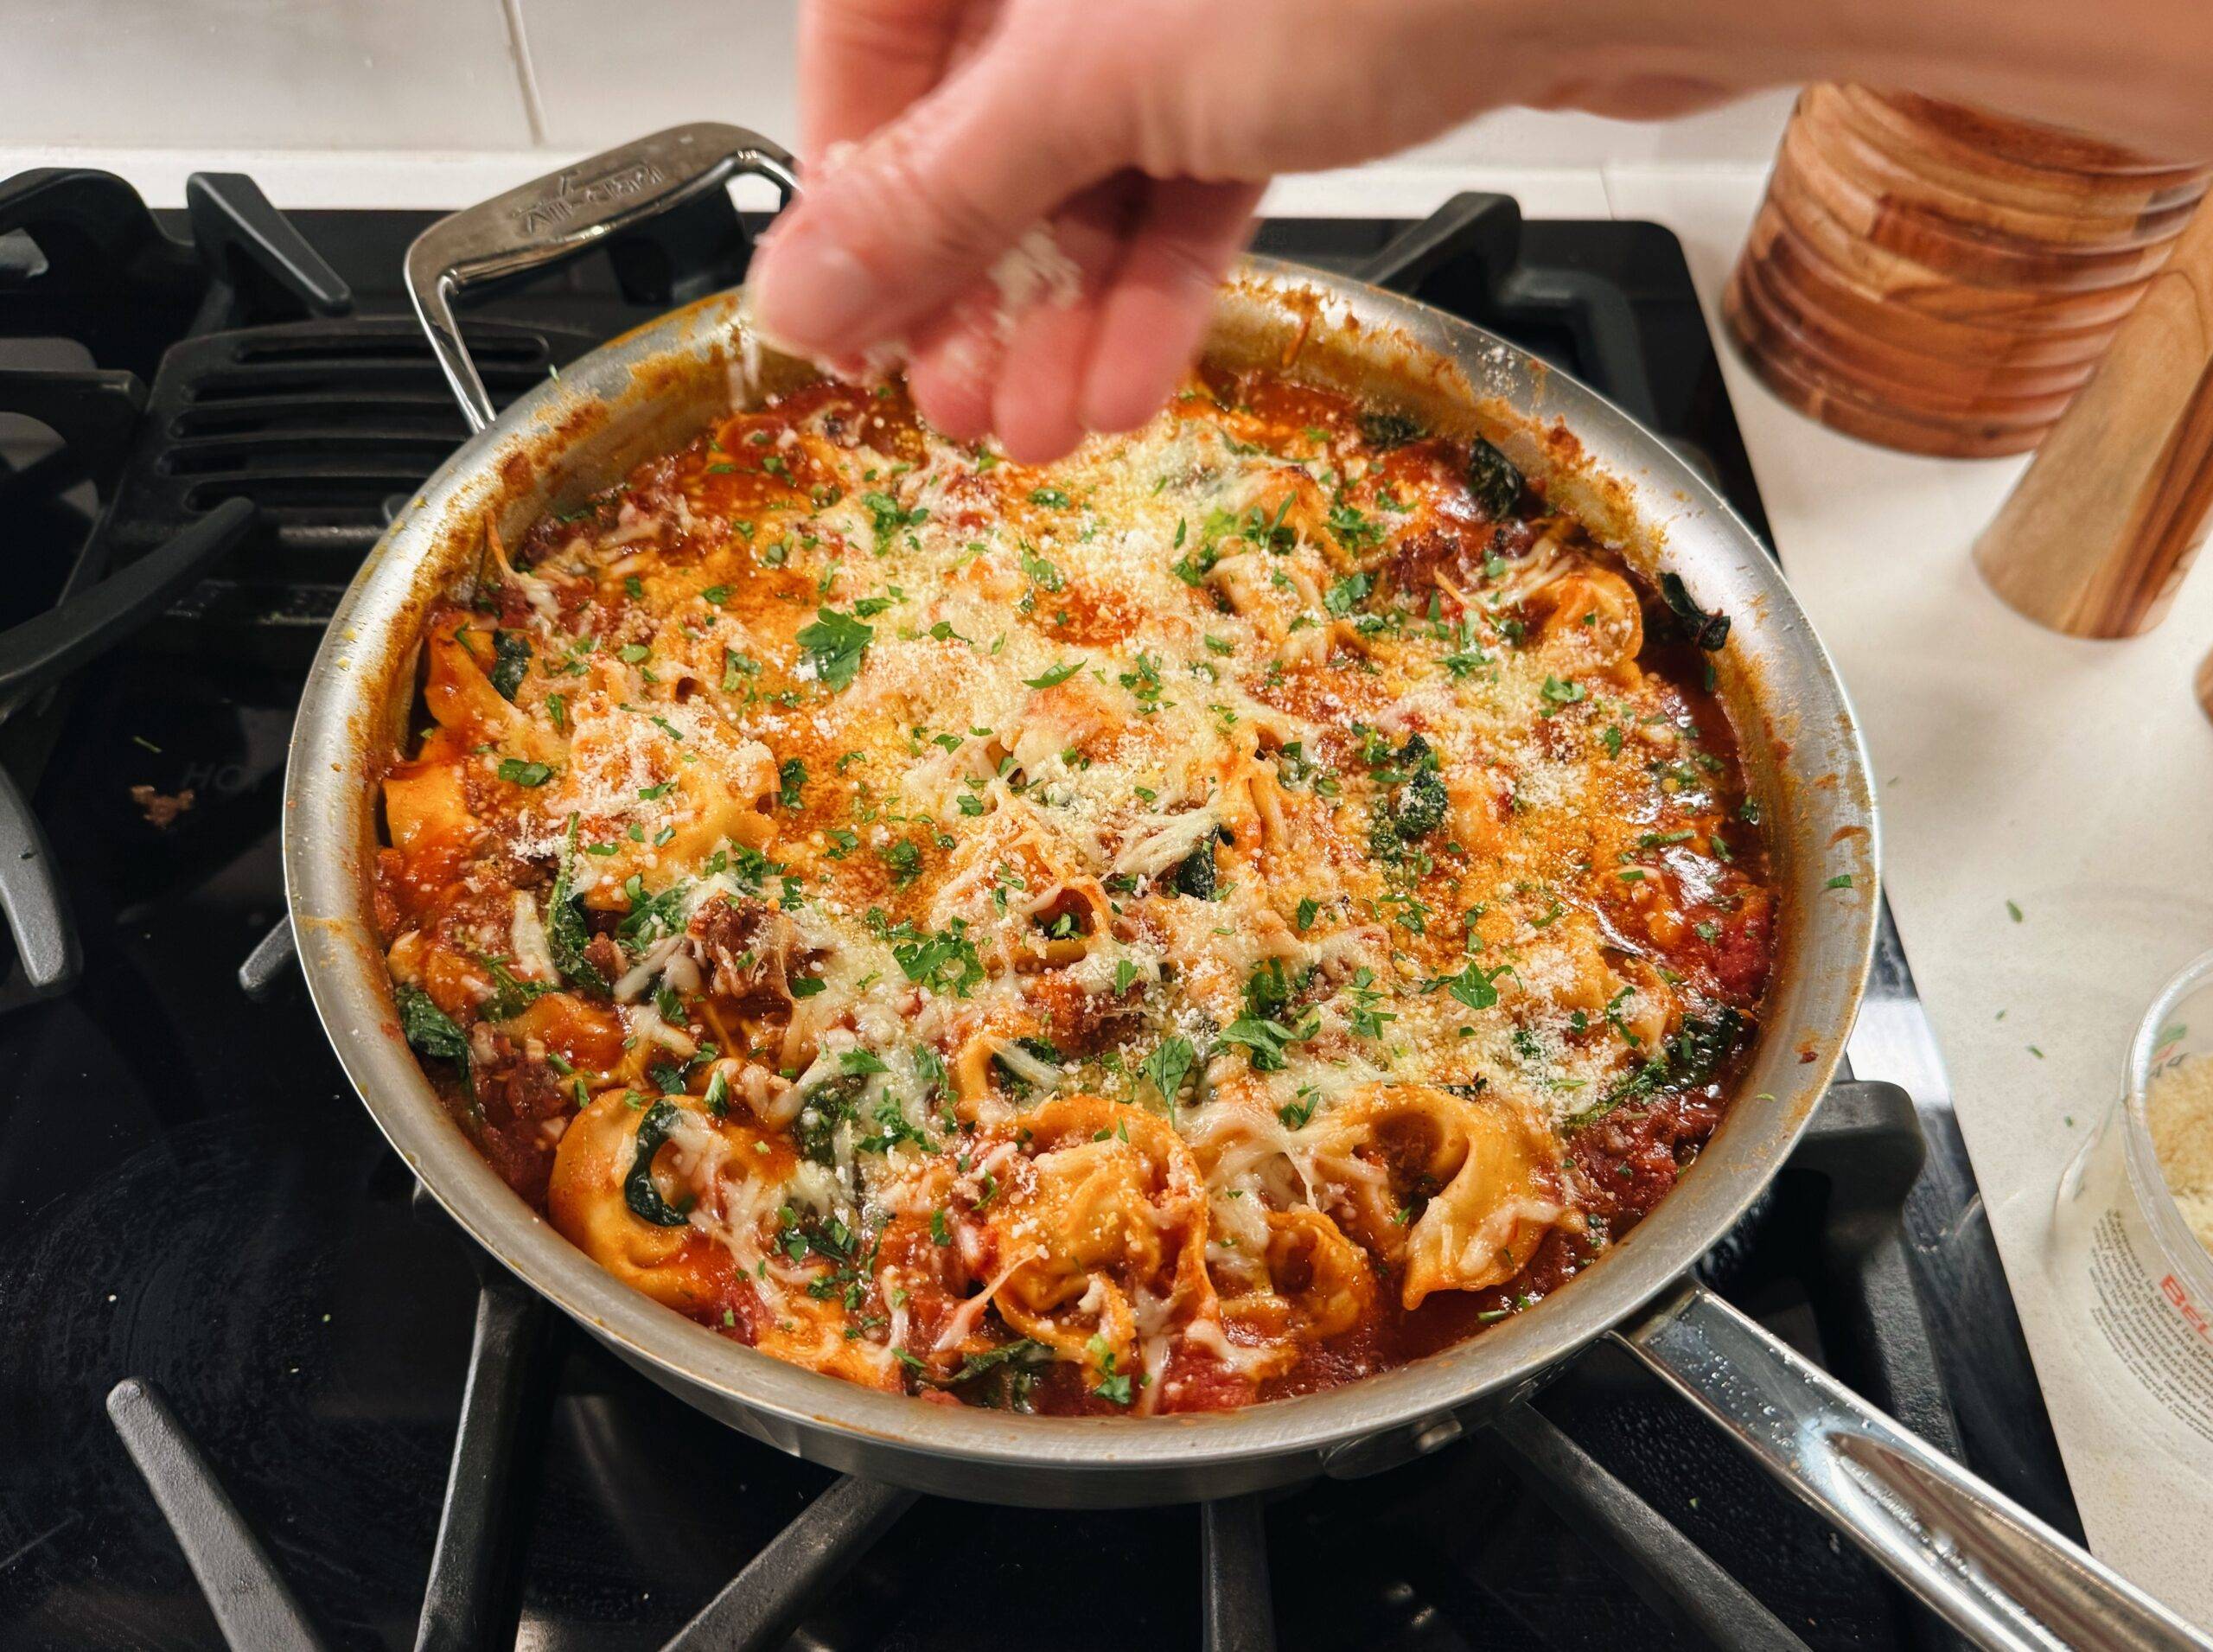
(2102, 526)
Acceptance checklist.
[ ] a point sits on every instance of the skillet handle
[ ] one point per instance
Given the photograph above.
(1993, 1571)
(565, 212)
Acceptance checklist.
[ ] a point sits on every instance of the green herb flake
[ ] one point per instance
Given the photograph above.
(1054, 677)
(833, 647)
(1168, 1066)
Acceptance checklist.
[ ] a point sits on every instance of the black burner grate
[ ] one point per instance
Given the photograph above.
(323, 427)
(87, 264)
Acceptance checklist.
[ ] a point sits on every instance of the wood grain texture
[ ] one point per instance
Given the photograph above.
(1806, 181)
(1842, 336)
(1943, 279)
(1836, 402)
(1811, 286)
(2027, 143)
(2105, 522)
(2130, 217)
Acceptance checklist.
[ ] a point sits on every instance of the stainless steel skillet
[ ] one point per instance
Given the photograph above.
(1985, 1562)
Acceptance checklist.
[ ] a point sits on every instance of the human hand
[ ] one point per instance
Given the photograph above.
(1143, 131)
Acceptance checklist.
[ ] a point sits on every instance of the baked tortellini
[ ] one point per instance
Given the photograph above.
(1226, 913)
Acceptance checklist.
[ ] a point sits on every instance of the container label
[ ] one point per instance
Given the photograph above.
(2151, 1322)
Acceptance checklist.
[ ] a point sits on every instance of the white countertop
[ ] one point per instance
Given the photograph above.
(2072, 779)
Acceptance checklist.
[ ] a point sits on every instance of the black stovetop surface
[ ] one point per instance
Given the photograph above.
(189, 1193)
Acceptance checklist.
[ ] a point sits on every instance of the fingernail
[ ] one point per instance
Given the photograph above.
(811, 292)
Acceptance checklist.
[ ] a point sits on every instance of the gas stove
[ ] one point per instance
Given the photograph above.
(255, 1391)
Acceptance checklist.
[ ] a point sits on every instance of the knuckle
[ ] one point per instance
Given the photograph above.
(941, 217)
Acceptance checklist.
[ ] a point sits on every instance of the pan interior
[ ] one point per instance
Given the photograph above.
(654, 389)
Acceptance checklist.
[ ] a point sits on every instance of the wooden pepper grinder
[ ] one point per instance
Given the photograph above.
(2102, 526)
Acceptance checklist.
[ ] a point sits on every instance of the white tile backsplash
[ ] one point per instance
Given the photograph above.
(609, 71)
(1740, 134)
(398, 76)
(384, 74)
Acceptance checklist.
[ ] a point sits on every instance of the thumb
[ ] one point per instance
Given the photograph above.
(911, 220)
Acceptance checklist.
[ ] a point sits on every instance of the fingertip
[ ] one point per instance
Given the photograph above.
(1155, 315)
(952, 378)
(1144, 344)
(1119, 396)
(809, 292)
(1040, 441)
(1040, 379)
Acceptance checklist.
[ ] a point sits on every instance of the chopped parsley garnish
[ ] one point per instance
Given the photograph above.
(1144, 683)
(1348, 594)
(1356, 531)
(516, 772)
(1040, 572)
(1476, 986)
(1265, 1043)
(1360, 1001)
(651, 916)
(736, 667)
(1054, 677)
(1689, 1059)
(888, 518)
(946, 962)
(833, 645)
(1168, 1066)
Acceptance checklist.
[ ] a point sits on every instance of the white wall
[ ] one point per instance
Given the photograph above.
(481, 76)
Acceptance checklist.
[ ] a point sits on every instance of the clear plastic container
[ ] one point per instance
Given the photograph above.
(2123, 1257)
(2177, 1028)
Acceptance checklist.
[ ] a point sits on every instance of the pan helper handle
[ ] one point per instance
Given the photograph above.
(1993, 1571)
(564, 213)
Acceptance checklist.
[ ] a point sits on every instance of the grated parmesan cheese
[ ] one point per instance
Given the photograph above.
(2178, 1108)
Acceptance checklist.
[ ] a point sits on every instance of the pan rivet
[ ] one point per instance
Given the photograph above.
(1437, 1435)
